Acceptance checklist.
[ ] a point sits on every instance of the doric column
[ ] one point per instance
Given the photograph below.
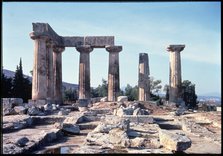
(84, 71)
(175, 72)
(113, 72)
(39, 78)
(57, 69)
(50, 76)
(143, 81)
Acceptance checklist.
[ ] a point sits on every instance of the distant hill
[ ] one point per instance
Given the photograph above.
(10, 74)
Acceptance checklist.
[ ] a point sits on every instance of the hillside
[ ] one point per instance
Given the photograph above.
(9, 73)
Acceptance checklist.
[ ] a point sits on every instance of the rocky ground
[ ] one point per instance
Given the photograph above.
(112, 127)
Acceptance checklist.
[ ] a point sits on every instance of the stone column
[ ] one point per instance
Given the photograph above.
(84, 71)
(143, 81)
(57, 69)
(39, 78)
(175, 72)
(50, 76)
(113, 72)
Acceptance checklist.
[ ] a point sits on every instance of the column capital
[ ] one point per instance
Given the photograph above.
(113, 48)
(58, 49)
(35, 36)
(84, 49)
(175, 48)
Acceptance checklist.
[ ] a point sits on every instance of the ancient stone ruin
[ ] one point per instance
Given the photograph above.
(143, 84)
(46, 125)
(47, 67)
(175, 72)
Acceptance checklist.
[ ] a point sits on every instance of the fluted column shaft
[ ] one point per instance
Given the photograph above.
(175, 72)
(113, 72)
(50, 76)
(39, 78)
(84, 71)
(57, 69)
(143, 82)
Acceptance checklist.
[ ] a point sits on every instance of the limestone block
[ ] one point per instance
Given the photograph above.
(74, 119)
(118, 137)
(104, 99)
(139, 118)
(137, 142)
(33, 111)
(20, 109)
(174, 141)
(122, 98)
(71, 128)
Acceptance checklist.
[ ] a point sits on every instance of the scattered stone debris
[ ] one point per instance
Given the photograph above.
(110, 127)
(174, 141)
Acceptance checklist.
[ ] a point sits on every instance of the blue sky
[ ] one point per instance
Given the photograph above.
(145, 27)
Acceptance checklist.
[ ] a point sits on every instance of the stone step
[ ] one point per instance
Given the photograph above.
(37, 136)
(14, 123)
(139, 118)
(39, 120)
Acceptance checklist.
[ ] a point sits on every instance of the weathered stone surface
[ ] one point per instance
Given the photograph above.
(143, 83)
(49, 119)
(62, 112)
(175, 71)
(74, 119)
(21, 142)
(118, 137)
(174, 141)
(48, 107)
(137, 142)
(124, 111)
(115, 137)
(71, 128)
(15, 122)
(180, 111)
(139, 118)
(94, 41)
(139, 111)
(9, 104)
(33, 111)
(13, 101)
(20, 109)
(104, 99)
(122, 98)
(111, 121)
(83, 109)
(37, 103)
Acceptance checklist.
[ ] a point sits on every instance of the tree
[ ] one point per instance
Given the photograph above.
(101, 90)
(21, 87)
(70, 95)
(166, 89)
(131, 92)
(188, 94)
(155, 85)
(6, 87)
